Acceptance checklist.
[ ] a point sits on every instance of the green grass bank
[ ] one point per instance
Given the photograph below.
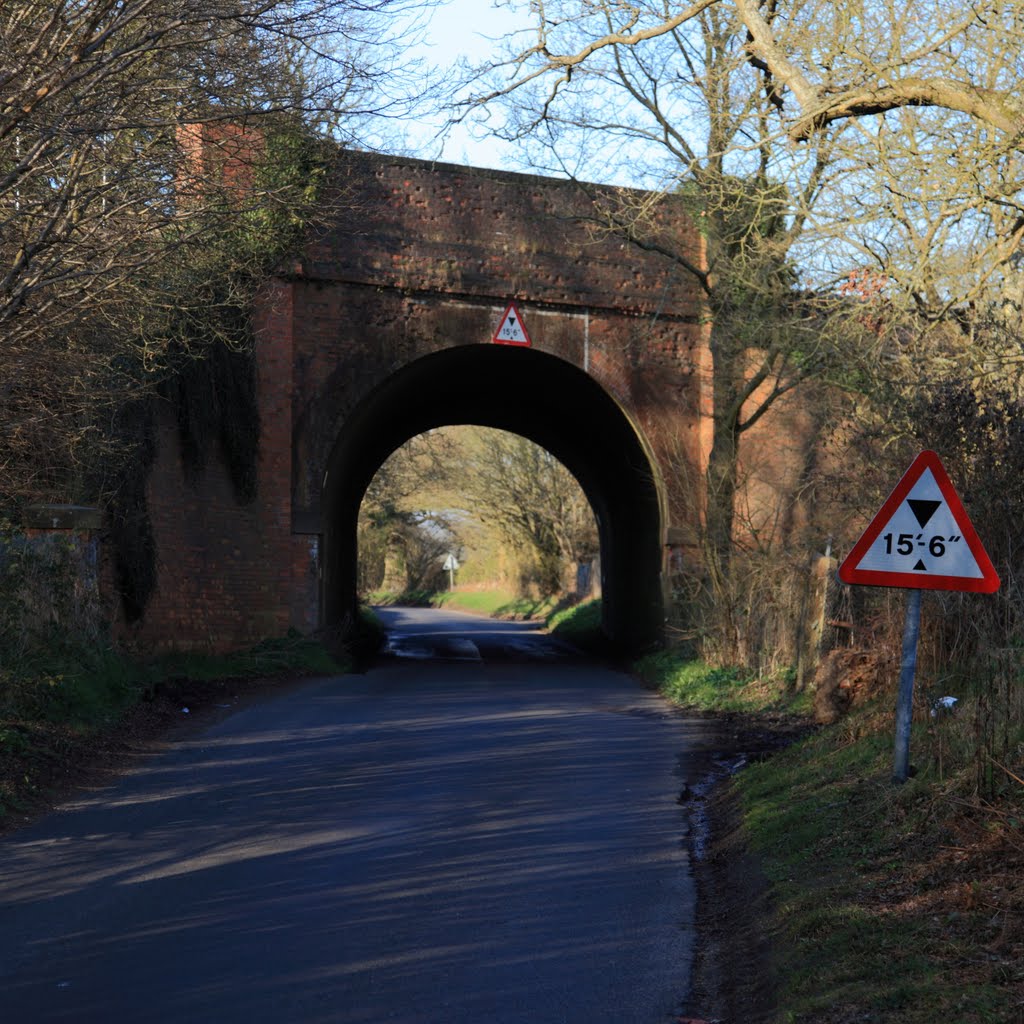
(890, 903)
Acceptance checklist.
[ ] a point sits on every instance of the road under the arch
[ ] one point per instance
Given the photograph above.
(447, 841)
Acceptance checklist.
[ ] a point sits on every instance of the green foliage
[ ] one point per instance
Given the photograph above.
(56, 698)
(694, 683)
(279, 655)
(404, 598)
(87, 685)
(77, 685)
(585, 614)
(289, 181)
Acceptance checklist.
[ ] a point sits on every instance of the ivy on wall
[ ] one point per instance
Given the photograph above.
(207, 370)
(212, 389)
(129, 524)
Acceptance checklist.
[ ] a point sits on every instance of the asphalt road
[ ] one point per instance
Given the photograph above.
(452, 837)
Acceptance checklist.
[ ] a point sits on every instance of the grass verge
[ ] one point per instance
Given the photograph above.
(69, 701)
(497, 604)
(707, 688)
(890, 903)
(579, 625)
(894, 903)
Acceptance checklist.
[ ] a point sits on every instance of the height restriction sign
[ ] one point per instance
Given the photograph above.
(921, 538)
(511, 330)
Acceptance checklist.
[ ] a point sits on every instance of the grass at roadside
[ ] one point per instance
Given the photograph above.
(895, 903)
(580, 625)
(291, 654)
(892, 903)
(708, 688)
(57, 703)
(496, 603)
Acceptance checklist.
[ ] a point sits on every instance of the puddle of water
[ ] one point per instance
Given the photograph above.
(450, 648)
(696, 797)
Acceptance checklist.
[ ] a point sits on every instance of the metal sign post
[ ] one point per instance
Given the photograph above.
(450, 564)
(905, 697)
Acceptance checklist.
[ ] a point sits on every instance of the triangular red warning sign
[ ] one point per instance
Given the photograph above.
(511, 330)
(921, 538)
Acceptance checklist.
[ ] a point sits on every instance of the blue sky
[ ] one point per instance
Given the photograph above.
(464, 30)
(474, 31)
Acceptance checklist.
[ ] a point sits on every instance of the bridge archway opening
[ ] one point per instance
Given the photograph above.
(538, 396)
(479, 508)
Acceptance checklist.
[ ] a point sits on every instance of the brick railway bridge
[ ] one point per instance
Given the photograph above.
(383, 330)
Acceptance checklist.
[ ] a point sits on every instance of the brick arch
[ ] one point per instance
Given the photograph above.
(380, 329)
(551, 402)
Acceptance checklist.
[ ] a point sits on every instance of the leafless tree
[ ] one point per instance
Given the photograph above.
(819, 146)
(444, 487)
(145, 146)
(535, 503)
(405, 527)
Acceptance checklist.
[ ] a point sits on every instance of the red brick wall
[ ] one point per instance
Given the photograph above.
(225, 571)
(436, 228)
(418, 256)
(413, 258)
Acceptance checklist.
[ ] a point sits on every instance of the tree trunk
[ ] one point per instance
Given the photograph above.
(723, 460)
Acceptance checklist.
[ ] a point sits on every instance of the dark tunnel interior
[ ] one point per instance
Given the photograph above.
(543, 398)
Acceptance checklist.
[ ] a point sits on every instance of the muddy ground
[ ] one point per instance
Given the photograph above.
(733, 979)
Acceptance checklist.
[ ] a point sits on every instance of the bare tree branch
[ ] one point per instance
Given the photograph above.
(824, 104)
(151, 154)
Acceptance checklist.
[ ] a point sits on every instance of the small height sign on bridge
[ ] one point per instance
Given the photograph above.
(511, 330)
(920, 539)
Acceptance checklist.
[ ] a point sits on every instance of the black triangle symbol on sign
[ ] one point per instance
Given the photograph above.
(920, 567)
(923, 510)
